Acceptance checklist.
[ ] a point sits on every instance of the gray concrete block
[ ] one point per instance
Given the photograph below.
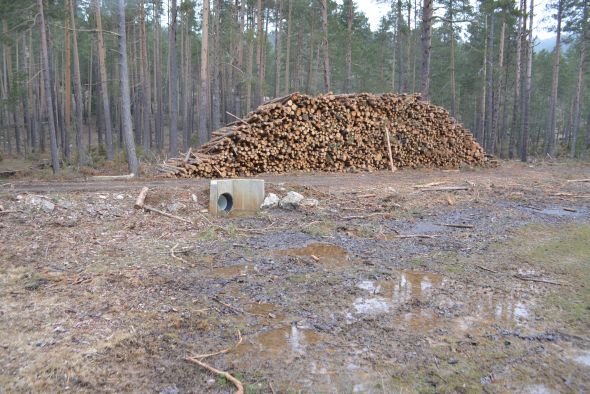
(235, 195)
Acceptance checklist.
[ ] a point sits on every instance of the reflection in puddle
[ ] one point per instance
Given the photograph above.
(388, 296)
(275, 343)
(329, 255)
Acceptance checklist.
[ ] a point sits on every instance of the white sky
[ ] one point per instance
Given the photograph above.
(373, 10)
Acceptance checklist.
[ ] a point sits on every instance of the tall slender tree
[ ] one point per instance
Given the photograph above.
(173, 80)
(204, 91)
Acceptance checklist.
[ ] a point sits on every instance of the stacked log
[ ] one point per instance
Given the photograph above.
(332, 133)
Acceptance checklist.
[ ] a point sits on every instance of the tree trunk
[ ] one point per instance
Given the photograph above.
(426, 46)
(216, 69)
(349, 18)
(524, 136)
(550, 132)
(452, 61)
(499, 88)
(580, 81)
(77, 90)
(173, 81)
(324, 4)
(47, 80)
(278, 33)
(259, 65)
(67, 81)
(159, 94)
(250, 66)
(489, 109)
(103, 81)
(288, 54)
(146, 94)
(204, 94)
(402, 74)
(517, 88)
(127, 126)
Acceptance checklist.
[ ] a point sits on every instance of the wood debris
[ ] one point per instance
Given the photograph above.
(335, 133)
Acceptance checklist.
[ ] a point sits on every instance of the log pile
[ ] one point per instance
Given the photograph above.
(332, 133)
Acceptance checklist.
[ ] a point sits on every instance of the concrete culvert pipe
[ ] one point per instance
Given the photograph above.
(225, 202)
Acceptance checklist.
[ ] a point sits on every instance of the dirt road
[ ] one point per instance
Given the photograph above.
(418, 281)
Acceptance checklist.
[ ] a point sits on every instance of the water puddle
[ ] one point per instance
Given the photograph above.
(278, 343)
(407, 296)
(558, 211)
(229, 272)
(330, 256)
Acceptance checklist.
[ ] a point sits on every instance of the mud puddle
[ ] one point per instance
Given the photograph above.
(328, 255)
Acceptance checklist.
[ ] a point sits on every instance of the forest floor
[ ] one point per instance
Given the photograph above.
(385, 286)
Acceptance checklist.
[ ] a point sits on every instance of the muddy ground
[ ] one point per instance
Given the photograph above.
(384, 287)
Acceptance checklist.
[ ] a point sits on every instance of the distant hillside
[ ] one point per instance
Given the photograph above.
(548, 44)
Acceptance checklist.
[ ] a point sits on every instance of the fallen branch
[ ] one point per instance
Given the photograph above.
(443, 188)
(389, 151)
(175, 256)
(486, 269)
(363, 216)
(140, 201)
(152, 209)
(538, 280)
(228, 376)
(202, 356)
(458, 225)
(402, 236)
(431, 184)
(112, 177)
(578, 180)
(233, 308)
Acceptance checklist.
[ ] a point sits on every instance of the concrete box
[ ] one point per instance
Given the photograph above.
(235, 195)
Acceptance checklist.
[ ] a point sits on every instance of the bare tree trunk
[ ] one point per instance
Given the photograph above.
(159, 94)
(173, 80)
(580, 81)
(67, 81)
(324, 4)
(299, 59)
(216, 69)
(524, 136)
(259, 65)
(348, 80)
(288, 54)
(402, 74)
(517, 87)
(77, 90)
(452, 61)
(10, 87)
(103, 81)
(239, 76)
(250, 66)
(146, 94)
(204, 94)
(426, 46)
(278, 33)
(499, 89)
(489, 109)
(127, 126)
(47, 79)
(550, 132)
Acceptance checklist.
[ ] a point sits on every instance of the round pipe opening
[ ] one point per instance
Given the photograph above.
(225, 202)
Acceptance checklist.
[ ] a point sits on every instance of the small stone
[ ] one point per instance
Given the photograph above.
(175, 207)
(271, 201)
(119, 197)
(170, 390)
(194, 197)
(210, 382)
(291, 201)
(309, 202)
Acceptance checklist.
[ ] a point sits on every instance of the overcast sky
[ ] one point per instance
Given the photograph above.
(543, 21)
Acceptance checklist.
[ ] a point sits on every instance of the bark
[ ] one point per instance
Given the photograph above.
(77, 89)
(10, 87)
(426, 46)
(49, 99)
(240, 60)
(288, 53)
(489, 108)
(326, 52)
(550, 132)
(299, 59)
(580, 81)
(103, 82)
(250, 66)
(452, 61)
(498, 105)
(402, 74)
(173, 80)
(127, 126)
(204, 95)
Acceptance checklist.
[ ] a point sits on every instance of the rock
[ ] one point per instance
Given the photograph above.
(291, 201)
(175, 207)
(119, 197)
(44, 204)
(170, 390)
(309, 202)
(271, 201)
